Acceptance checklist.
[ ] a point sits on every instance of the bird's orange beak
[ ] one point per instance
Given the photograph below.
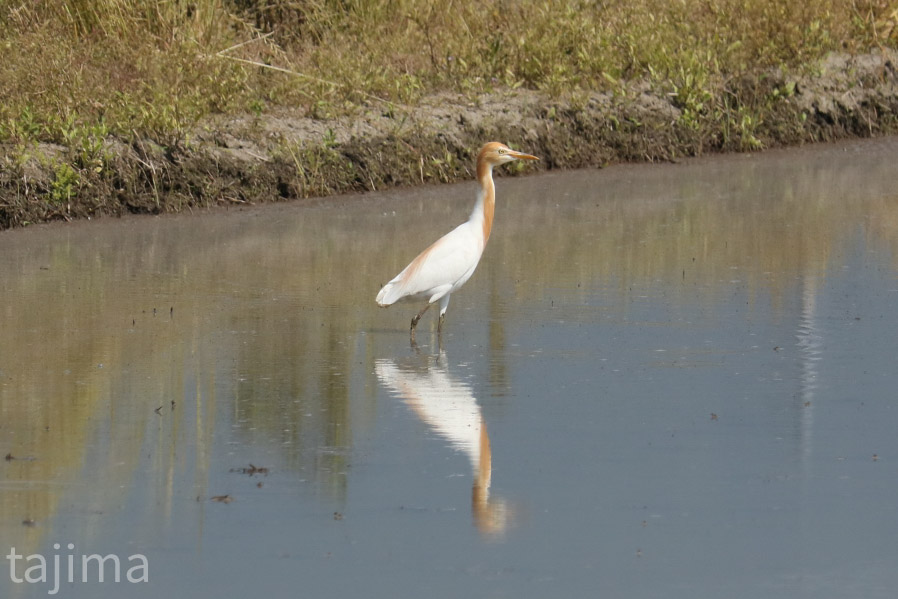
(521, 155)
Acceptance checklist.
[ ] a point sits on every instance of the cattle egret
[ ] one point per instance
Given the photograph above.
(447, 264)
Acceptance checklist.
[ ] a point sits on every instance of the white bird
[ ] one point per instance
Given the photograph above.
(447, 264)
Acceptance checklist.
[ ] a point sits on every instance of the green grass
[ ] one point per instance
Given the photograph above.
(76, 69)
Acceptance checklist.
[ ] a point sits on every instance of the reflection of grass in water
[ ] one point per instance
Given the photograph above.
(65, 399)
(883, 226)
(82, 334)
(284, 304)
(760, 224)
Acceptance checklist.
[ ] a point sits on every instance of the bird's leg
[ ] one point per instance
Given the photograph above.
(418, 316)
(444, 305)
(415, 320)
(440, 331)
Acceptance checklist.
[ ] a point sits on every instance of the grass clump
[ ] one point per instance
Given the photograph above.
(155, 67)
(126, 65)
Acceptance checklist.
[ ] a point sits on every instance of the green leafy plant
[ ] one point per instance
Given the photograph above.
(65, 183)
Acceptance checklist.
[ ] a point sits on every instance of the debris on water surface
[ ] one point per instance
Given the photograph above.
(222, 499)
(338, 516)
(252, 470)
(9, 457)
(713, 416)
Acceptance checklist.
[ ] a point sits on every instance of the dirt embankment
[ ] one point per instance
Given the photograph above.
(279, 155)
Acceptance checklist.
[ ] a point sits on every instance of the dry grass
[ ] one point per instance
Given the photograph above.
(76, 68)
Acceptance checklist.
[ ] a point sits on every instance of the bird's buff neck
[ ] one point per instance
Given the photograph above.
(486, 199)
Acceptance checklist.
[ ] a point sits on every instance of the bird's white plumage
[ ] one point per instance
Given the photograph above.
(440, 269)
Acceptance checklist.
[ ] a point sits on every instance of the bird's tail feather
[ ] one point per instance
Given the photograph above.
(389, 294)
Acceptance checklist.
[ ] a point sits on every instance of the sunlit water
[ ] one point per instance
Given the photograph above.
(662, 381)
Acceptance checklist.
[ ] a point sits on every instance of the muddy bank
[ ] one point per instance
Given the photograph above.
(280, 156)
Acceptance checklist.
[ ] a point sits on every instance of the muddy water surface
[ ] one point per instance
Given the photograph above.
(662, 381)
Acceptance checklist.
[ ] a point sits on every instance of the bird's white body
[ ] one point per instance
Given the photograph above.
(440, 269)
(446, 265)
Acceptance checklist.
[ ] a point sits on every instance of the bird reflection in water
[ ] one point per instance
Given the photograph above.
(449, 408)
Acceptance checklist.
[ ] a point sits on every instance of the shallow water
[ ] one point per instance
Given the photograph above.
(662, 381)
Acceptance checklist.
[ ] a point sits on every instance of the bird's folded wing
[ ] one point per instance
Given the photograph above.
(436, 269)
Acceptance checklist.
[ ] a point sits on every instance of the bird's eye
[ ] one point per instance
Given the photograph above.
(501, 150)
